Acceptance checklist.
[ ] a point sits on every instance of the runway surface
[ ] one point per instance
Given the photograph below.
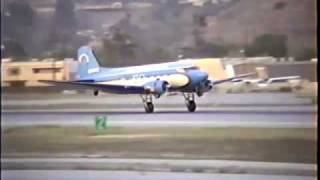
(280, 110)
(246, 166)
(214, 110)
(211, 98)
(209, 118)
(134, 175)
(163, 165)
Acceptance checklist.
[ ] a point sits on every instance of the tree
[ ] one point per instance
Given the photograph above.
(160, 53)
(279, 5)
(116, 49)
(17, 16)
(17, 24)
(307, 54)
(64, 14)
(199, 20)
(13, 49)
(64, 23)
(268, 44)
(205, 49)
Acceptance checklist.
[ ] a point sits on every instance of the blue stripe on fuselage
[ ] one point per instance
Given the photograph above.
(110, 74)
(107, 74)
(121, 89)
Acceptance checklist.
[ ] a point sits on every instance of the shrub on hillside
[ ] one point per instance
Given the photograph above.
(268, 44)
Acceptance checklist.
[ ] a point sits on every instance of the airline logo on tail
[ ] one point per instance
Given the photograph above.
(84, 59)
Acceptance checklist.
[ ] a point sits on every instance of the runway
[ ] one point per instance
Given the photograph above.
(135, 175)
(163, 165)
(225, 117)
(214, 110)
(234, 110)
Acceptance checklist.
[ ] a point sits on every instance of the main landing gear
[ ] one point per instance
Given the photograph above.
(189, 100)
(149, 107)
(147, 101)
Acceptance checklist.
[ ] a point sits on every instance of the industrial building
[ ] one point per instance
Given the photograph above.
(27, 74)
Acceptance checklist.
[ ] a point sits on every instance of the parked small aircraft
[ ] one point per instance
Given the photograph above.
(148, 81)
(263, 78)
(268, 80)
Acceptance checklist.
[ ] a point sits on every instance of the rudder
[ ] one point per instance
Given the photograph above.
(88, 63)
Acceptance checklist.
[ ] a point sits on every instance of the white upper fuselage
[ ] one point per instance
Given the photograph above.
(172, 72)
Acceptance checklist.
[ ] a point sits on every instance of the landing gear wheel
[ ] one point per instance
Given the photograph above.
(148, 107)
(191, 105)
(95, 92)
(147, 101)
(189, 100)
(199, 94)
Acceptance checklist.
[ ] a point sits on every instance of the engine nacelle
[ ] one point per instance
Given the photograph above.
(157, 87)
(204, 87)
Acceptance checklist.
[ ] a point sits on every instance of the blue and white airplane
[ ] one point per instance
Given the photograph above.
(147, 80)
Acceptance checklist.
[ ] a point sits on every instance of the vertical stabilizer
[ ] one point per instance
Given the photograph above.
(88, 63)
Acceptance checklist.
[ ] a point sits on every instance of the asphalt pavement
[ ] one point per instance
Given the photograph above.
(134, 175)
(213, 118)
(163, 165)
(212, 98)
(214, 110)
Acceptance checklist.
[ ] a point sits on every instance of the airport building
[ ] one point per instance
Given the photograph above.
(305, 69)
(213, 66)
(27, 74)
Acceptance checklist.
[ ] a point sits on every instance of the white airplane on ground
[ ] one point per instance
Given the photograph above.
(148, 81)
(263, 77)
(268, 80)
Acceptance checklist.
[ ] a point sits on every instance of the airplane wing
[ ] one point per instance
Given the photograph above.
(233, 79)
(282, 79)
(96, 86)
(268, 80)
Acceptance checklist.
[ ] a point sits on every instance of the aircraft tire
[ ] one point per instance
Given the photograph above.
(191, 105)
(95, 92)
(199, 93)
(149, 107)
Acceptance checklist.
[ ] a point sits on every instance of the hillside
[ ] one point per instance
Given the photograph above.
(245, 20)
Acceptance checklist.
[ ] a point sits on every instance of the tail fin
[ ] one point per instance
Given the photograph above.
(88, 63)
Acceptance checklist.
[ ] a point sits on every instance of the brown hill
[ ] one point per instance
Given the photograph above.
(247, 19)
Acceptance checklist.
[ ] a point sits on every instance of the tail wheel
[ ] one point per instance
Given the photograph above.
(191, 105)
(149, 107)
(95, 92)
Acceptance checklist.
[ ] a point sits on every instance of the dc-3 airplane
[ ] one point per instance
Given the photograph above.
(147, 80)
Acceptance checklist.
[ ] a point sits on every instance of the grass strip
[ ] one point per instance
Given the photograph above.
(252, 144)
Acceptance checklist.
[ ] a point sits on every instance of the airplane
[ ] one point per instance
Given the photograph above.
(148, 81)
(268, 80)
(263, 77)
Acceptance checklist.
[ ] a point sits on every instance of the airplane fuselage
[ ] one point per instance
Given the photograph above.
(180, 75)
(148, 80)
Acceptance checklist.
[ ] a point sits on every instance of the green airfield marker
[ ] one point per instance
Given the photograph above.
(100, 123)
